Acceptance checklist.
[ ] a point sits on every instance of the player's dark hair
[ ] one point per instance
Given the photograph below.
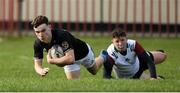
(39, 20)
(118, 32)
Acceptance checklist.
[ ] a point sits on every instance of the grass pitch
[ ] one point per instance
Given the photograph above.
(17, 72)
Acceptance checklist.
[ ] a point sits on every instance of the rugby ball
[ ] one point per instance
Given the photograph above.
(56, 51)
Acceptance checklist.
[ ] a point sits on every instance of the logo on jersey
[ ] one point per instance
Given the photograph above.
(128, 61)
(65, 45)
(131, 47)
(114, 54)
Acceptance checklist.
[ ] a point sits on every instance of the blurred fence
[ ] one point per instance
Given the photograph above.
(155, 17)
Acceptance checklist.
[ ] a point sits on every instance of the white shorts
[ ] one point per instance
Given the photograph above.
(87, 62)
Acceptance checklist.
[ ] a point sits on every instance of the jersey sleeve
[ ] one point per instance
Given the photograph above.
(111, 60)
(108, 65)
(138, 48)
(112, 56)
(38, 51)
(143, 57)
(151, 66)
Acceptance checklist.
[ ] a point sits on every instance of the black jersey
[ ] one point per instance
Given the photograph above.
(66, 41)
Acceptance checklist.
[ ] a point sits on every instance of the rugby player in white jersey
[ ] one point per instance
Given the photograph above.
(76, 51)
(129, 59)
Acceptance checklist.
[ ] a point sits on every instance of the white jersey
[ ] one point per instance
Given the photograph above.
(125, 66)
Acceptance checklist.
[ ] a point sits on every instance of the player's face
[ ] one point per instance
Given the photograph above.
(43, 33)
(120, 43)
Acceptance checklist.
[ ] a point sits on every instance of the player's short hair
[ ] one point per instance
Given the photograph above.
(118, 32)
(39, 20)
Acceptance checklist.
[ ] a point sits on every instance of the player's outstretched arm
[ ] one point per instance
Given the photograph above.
(151, 66)
(39, 69)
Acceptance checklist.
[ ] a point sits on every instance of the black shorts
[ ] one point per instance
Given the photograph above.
(142, 66)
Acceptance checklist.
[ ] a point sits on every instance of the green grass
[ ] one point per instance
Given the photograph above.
(17, 69)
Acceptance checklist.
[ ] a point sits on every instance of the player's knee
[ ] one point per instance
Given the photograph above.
(72, 78)
(164, 56)
(73, 75)
(92, 70)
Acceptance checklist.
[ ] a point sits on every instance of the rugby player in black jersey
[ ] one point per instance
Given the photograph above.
(76, 51)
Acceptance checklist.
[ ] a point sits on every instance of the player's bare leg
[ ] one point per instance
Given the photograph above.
(98, 62)
(159, 56)
(73, 74)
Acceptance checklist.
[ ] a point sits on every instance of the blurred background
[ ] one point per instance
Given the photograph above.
(138, 17)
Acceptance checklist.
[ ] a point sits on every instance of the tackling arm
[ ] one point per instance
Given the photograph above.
(144, 57)
(107, 70)
(152, 69)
